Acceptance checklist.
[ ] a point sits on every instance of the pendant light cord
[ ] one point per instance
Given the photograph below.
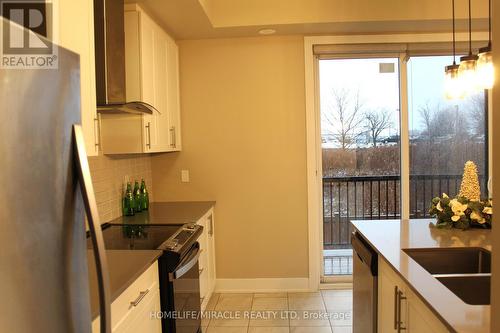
(470, 28)
(454, 47)
(489, 23)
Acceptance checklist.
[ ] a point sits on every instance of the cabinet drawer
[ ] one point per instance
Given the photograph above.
(141, 320)
(121, 308)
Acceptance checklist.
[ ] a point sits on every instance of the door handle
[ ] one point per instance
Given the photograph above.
(400, 322)
(173, 137)
(396, 305)
(139, 298)
(90, 204)
(211, 225)
(179, 272)
(97, 129)
(148, 132)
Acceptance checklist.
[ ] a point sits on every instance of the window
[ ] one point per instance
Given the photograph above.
(443, 134)
(361, 106)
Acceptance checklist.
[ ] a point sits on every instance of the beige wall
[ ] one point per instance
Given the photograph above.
(108, 177)
(243, 128)
(495, 327)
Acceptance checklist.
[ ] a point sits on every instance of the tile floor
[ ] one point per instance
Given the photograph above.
(328, 311)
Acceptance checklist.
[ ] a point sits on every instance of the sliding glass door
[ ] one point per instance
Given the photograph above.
(360, 141)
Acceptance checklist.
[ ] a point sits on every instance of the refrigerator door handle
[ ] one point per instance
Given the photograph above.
(83, 170)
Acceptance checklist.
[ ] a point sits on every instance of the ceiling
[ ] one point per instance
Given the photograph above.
(199, 19)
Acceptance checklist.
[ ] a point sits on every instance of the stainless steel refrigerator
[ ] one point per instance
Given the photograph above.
(45, 192)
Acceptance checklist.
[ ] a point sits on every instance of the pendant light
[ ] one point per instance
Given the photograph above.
(453, 85)
(468, 63)
(485, 69)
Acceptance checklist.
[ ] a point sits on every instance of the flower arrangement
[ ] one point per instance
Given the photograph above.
(465, 210)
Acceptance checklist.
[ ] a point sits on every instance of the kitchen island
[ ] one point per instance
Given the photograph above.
(388, 238)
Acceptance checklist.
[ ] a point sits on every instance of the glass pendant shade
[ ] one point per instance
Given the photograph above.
(485, 70)
(454, 88)
(467, 72)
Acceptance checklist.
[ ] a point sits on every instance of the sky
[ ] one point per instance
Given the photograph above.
(381, 90)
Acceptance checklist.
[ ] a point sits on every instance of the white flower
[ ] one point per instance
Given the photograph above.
(477, 217)
(438, 206)
(458, 209)
(488, 210)
(445, 195)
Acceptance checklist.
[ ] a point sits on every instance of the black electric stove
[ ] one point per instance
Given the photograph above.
(178, 267)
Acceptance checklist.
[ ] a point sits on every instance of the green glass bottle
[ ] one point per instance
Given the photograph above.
(137, 197)
(128, 201)
(145, 195)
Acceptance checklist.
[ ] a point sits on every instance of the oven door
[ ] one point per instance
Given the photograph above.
(185, 286)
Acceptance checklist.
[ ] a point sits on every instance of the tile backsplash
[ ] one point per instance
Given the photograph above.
(108, 177)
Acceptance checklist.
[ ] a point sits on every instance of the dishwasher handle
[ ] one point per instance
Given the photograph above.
(365, 252)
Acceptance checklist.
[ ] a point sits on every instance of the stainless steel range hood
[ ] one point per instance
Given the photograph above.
(110, 60)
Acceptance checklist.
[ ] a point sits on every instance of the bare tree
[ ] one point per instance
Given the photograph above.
(344, 117)
(428, 113)
(444, 123)
(376, 121)
(477, 112)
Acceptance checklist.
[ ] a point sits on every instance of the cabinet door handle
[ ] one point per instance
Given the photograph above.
(139, 298)
(97, 142)
(210, 225)
(173, 137)
(396, 305)
(400, 322)
(148, 131)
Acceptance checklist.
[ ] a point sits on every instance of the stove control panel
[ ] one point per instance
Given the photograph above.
(181, 237)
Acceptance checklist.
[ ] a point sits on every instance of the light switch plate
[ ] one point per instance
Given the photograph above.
(185, 176)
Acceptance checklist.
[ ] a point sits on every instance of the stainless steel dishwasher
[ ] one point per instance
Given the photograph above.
(365, 273)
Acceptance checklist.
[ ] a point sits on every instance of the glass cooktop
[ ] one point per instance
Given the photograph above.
(136, 237)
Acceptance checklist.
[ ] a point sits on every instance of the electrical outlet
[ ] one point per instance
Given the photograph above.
(185, 176)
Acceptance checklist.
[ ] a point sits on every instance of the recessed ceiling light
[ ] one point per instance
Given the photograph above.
(267, 31)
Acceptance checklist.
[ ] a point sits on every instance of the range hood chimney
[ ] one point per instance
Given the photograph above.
(110, 60)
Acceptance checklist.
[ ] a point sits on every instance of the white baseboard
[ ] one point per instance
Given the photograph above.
(262, 285)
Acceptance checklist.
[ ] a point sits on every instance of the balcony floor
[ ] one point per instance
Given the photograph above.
(337, 262)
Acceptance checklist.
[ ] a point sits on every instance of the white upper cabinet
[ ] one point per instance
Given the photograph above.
(152, 76)
(173, 94)
(76, 32)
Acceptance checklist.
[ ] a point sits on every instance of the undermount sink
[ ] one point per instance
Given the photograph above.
(466, 271)
(453, 260)
(472, 289)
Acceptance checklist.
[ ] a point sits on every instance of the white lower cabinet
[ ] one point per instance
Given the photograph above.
(133, 311)
(399, 309)
(207, 258)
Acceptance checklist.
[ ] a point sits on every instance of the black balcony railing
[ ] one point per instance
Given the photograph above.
(376, 197)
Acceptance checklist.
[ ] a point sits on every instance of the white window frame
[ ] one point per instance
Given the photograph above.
(313, 130)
